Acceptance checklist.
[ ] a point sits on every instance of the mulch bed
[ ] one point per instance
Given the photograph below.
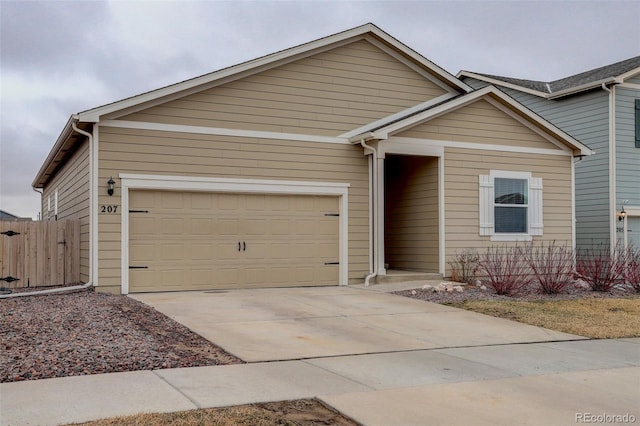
(85, 332)
(472, 292)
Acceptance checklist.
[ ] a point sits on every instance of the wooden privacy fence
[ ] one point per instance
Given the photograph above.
(36, 254)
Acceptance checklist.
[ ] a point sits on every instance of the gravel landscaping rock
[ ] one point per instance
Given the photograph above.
(472, 292)
(90, 333)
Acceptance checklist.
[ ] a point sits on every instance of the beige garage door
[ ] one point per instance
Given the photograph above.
(197, 240)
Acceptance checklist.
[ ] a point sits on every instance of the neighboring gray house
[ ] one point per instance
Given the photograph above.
(8, 216)
(600, 108)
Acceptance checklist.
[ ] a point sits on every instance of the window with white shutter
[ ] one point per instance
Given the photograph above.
(510, 205)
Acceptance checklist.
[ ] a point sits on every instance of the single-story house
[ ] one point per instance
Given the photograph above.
(329, 163)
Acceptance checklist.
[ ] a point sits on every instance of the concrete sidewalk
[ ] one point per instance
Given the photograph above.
(526, 384)
(378, 358)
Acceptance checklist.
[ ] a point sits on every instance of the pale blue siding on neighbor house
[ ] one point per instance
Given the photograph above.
(627, 155)
(585, 117)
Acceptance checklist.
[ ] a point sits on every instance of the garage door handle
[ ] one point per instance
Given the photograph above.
(239, 246)
(244, 246)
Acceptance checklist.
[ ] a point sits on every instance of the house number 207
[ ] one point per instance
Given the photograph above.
(108, 208)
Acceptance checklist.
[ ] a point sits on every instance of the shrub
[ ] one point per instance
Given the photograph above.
(631, 271)
(465, 266)
(601, 267)
(505, 268)
(552, 266)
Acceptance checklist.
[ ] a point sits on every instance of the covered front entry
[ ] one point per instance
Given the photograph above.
(411, 213)
(181, 240)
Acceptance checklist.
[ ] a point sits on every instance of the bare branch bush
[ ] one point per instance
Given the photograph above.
(464, 267)
(601, 267)
(552, 266)
(506, 268)
(631, 272)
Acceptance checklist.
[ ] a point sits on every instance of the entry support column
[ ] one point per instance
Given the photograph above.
(379, 234)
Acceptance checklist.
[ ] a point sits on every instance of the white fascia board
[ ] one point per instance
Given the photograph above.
(94, 114)
(62, 139)
(629, 74)
(266, 62)
(379, 123)
(497, 82)
(385, 132)
(180, 128)
(582, 88)
(424, 63)
(435, 144)
(536, 129)
(505, 99)
(541, 122)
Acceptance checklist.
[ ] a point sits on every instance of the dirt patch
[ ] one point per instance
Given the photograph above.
(302, 412)
(90, 333)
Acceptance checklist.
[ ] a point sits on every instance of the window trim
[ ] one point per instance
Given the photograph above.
(637, 122)
(487, 206)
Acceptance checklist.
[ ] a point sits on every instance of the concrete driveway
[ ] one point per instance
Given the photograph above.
(301, 323)
(377, 358)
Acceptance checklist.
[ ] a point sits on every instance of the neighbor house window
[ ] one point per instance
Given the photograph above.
(510, 205)
(637, 123)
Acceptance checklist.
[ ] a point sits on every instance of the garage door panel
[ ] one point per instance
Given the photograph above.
(172, 251)
(252, 227)
(255, 202)
(226, 227)
(190, 240)
(172, 226)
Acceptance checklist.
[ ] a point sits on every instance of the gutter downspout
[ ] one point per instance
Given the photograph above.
(373, 217)
(41, 194)
(75, 287)
(612, 166)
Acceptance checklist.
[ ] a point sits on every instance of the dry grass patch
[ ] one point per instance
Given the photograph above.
(595, 318)
(302, 412)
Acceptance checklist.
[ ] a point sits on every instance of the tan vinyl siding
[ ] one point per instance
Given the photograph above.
(411, 213)
(180, 154)
(72, 183)
(326, 94)
(462, 168)
(479, 122)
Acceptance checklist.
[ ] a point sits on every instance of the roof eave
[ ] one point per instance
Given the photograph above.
(56, 154)
(576, 146)
(502, 83)
(582, 88)
(94, 115)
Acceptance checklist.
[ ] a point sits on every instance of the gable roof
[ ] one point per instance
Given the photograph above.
(612, 73)
(69, 138)
(489, 92)
(367, 31)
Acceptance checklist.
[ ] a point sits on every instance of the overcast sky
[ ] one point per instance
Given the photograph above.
(62, 57)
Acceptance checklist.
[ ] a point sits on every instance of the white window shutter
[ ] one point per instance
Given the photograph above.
(535, 206)
(486, 205)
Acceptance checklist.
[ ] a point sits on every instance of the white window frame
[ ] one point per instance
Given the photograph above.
(487, 206)
(55, 204)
